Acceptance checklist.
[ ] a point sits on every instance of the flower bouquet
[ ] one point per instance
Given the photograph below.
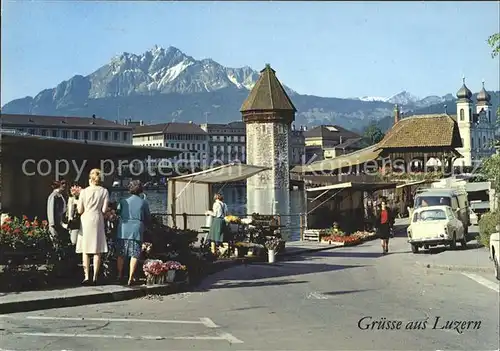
(172, 268)
(147, 248)
(75, 191)
(232, 219)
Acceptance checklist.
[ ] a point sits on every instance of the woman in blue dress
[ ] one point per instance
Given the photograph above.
(134, 216)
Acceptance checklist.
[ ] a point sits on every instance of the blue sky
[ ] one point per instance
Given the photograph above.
(331, 49)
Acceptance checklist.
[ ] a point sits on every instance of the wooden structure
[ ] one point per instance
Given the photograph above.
(343, 203)
(25, 189)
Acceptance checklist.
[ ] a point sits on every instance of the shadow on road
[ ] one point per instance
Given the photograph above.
(246, 275)
(325, 254)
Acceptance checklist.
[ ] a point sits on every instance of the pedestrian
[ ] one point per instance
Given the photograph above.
(134, 217)
(56, 209)
(384, 225)
(218, 226)
(92, 205)
(73, 218)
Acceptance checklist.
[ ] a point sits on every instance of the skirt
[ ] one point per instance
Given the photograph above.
(128, 248)
(217, 229)
(384, 231)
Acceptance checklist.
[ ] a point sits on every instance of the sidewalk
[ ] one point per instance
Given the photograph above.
(474, 259)
(14, 302)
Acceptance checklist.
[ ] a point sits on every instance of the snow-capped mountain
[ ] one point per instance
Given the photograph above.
(408, 100)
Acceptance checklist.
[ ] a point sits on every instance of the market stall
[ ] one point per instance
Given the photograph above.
(191, 195)
(340, 206)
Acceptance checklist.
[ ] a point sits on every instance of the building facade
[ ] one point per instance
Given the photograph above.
(297, 146)
(476, 122)
(226, 142)
(76, 128)
(330, 141)
(188, 137)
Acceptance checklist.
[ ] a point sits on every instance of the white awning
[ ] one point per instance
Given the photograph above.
(223, 174)
(417, 182)
(357, 186)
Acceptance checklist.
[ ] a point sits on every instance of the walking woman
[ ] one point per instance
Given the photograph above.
(134, 218)
(56, 209)
(218, 227)
(384, 225)
(92, 205)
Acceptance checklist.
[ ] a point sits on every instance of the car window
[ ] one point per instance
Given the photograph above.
(425, 201)
(429, 215)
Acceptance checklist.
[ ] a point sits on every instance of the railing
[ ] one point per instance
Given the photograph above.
(293, 224)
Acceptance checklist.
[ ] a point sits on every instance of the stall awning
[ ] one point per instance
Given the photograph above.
(417, 182)
(38, 147)
(356, 186)
(223, 174)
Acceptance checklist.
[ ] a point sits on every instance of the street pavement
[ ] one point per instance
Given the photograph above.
(309, 302)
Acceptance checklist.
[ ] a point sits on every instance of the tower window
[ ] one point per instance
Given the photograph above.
(484, 141)
(462, 114)
(470, 113)
(489, 116)
(472, 143)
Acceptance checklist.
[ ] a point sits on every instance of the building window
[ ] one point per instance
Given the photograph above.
(489, 116)
(43, 132)
(106, 136)
(472, 143)
(125, 136)
(75, 134)
(484, 142)
(55, 133)
(86, 135)
(31, 131)
(462, 114)
(96, 135)
(116, 136)
(65, 134)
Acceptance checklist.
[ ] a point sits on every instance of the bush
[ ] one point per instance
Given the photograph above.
(487, 225)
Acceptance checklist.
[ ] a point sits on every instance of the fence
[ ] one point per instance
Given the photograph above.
(293, 230)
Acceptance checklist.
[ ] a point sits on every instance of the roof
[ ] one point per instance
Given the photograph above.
(60, 121)
(268, 94)
(423, 131)
(171, 127)
(353, 159)
(330, 132)
(355, 186)
(438, 191)
(478, 186)
(26, 146)
(349, 143)
(223, 174)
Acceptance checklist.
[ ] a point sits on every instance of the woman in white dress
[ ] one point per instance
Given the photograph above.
(92, 205)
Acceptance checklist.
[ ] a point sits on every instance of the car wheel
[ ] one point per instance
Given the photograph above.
(414, 248)
(453, 244)
(497, 269)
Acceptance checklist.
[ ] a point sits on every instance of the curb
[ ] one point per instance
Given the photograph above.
(89, 299)
(458, 268)
(107, 297)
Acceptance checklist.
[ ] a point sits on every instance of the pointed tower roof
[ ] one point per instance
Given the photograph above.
(268, 94)
(464, 92)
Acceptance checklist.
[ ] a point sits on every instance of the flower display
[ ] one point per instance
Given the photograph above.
(273, 244)
(110, 215)
(174, 266)
(346, 239)
(75, 190)
(232, 219)
(17, 232)
(154, 267)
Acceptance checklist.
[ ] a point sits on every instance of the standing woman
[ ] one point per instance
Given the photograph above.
(56, 209)
(134, 217)
(92, 205)
(384, 225)
(219, 212)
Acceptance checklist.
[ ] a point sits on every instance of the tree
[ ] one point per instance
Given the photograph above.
(494, 43)
(373, 134)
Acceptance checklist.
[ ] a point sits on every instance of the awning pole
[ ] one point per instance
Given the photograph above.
(185, 186)
(320, 195)
(325, 201)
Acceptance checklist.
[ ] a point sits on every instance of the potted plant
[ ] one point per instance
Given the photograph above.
(272, 246)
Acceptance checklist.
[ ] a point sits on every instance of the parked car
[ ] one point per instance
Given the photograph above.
(495, 251)
(474, 218)
(435, 225)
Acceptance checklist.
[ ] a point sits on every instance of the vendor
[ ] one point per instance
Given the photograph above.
(218, 226)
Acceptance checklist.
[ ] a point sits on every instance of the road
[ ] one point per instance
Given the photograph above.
(312, 302)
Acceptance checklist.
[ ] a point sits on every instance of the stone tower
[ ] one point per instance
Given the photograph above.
(268, 114)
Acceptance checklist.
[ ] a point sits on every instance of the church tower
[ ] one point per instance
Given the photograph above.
(465, 123)
(268, 114)
(486, 123)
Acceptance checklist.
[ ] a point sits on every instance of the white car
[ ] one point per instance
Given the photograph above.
(495, 251)
(435, 225)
